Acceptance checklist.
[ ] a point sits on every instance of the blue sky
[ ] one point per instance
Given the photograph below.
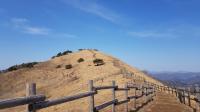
(155, 35)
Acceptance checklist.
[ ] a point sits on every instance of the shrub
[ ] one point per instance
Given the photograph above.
(80, 60)
(59, 54)
(88, 49)
(95, 49)
(12, 68)
(58, 66)
(23, 65)
(80, 49)
(28, 65)
(53, 57)
(68, 66)
(98, 62)
(66, 52)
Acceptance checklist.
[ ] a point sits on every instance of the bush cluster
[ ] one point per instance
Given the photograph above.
(69, 66)
(58, 66)
(98, 62)
(62, 53)
(16, 67)
(80, 60)
(88, 49)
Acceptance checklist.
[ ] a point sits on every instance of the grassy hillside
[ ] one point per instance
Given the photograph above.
(55, 78)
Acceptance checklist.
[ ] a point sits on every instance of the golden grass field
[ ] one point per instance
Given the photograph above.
(58, 82)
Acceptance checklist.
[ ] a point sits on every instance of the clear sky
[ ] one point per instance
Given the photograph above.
(155, 35)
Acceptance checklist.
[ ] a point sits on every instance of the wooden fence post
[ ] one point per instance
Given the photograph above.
(135, 98)
(30, 90)
(144, 91)
(189, 102)
(184, 95)
(171, 89)
(197, 104)
(154, 91)
(168, 90)
(126, 96)
(113, 96)
(180, 96)
(147, 97)
(176, 92)
(91, 98)
(157, 88)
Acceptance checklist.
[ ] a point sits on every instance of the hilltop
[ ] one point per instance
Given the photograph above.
(68, 74)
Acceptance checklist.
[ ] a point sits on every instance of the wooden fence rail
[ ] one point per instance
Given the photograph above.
(182, 95)
(21, 101)
(35, 102)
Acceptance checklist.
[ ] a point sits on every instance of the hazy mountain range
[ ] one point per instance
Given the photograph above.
(178, 78)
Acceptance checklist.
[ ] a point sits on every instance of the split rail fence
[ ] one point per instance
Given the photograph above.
(36, 102)
(184, 96)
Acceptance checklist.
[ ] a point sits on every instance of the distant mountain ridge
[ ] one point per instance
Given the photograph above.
(178, 78)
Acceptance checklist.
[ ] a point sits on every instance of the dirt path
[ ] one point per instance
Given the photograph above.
(164, 102)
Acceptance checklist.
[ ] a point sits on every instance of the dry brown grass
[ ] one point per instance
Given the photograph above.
(58, 82)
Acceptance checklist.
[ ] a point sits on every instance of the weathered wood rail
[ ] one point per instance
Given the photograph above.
(36, 102)
(183, 95)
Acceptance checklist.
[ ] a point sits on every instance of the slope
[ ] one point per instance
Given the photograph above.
(57, 82)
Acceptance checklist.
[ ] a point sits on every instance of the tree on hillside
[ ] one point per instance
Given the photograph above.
(66, 52)
(80, 60)
(69, 66)
(98, 62)
(59, 54)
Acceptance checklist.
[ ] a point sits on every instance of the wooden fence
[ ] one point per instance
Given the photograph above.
(36, 102)
(182, 95)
